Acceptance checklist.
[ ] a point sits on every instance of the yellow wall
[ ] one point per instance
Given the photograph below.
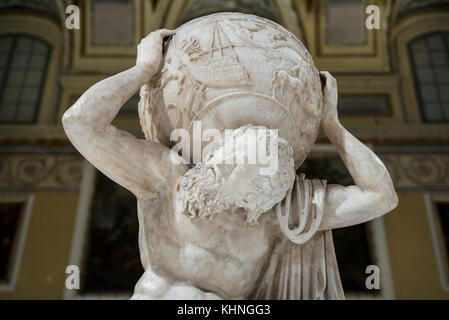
(47, 247)
(412, 257)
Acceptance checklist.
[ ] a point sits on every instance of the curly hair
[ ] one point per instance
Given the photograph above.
(198, 188)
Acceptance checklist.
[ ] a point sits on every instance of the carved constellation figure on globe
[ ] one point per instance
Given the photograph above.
(219, 230)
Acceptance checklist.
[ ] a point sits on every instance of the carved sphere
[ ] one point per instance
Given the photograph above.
(231, 69)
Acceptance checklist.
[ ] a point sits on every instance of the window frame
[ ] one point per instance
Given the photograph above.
(38, 103)
(89, 57)
(104, 50)
(49, 31)
(373, 55)
(403, 32)
(416, 81)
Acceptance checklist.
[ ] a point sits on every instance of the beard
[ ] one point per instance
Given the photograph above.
(199, 197)
(198, 194)
(198, 189)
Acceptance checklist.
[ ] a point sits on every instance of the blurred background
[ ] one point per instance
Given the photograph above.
(57, 210)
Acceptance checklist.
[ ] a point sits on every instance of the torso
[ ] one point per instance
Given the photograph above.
(221, 255)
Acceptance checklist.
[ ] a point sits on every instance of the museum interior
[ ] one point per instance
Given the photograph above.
(57, 210)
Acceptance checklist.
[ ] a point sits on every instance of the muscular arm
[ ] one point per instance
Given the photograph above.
(135, 164)
(373, 193)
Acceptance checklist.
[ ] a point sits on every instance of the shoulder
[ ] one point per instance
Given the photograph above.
(164, 164)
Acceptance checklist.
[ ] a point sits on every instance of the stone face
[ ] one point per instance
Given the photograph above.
(227, 70)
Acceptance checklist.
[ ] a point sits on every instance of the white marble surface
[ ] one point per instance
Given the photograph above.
(225, 231)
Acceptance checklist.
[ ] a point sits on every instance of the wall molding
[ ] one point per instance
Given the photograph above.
(40, 171)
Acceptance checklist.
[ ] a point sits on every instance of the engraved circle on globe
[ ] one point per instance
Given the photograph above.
(228, 70)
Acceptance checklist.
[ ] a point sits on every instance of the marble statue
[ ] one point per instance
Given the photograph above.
(211, 229)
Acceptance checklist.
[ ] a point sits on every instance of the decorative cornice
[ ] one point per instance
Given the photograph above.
(40, 172)
(409, 171)
(418, 171)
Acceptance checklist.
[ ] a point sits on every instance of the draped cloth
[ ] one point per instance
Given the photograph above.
(302, 264)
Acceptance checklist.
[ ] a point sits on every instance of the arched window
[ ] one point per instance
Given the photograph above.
(23, 67)
(430, 63)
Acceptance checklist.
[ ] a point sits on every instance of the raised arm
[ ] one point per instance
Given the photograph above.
(135, 164)
(373, 193)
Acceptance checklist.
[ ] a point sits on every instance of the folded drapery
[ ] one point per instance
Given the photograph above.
(302, 264)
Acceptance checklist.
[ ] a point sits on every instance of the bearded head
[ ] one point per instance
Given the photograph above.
(231, 177)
